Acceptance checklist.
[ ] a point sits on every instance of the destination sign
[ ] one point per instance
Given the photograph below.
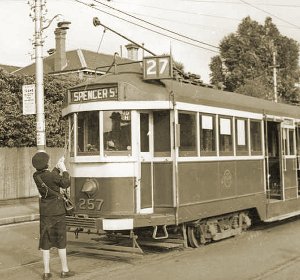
(100, 94)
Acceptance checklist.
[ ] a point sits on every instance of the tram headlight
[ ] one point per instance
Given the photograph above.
(90, 187)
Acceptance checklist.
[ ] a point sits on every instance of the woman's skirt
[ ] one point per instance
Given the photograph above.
(53, 232)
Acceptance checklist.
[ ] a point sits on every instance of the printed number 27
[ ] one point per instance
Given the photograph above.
(151, 66)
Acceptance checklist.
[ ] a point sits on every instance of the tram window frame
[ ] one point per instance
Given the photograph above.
(71, 134)
(255, 142)
(188, 150)
(223, 135)
(297, 132)
(113, 142)
(288, 138)
(87, 126)
(212, 150)
(292, 150)
(144, 132)
(241, 149)
(163, 133)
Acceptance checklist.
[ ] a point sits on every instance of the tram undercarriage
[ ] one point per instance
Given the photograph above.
(131, 242)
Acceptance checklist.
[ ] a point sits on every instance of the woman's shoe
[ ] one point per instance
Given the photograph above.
(46, 276)
(66, 274)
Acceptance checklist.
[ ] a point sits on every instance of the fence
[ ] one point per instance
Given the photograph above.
(16, 171)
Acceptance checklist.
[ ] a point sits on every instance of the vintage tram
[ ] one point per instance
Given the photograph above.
(159, 154)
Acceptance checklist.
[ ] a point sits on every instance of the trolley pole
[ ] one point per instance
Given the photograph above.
(39, 72)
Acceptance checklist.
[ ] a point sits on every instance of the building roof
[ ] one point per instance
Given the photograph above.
(80, 60)
(9, 68)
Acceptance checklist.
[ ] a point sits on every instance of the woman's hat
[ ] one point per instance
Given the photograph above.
(40, 160)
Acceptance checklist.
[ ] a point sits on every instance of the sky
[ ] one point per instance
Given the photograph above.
(197, 26)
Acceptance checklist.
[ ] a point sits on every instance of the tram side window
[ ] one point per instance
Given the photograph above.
(225, 136)
(117, 132)
(144, 137)
(241, 133)
(162, 139)
(188, 134)
(298, 141)
(71, 140)
(291, 142)
(88, 133)
(288, 140)
(255, 136)
(207, 135)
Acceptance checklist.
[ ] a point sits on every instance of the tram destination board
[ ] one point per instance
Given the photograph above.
(96, 94)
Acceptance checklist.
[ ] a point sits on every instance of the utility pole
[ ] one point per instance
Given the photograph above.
(274, 66)
(39, 73)
(275, 74)
(38, 8)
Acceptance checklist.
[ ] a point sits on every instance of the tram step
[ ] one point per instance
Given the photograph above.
(97, 248)
(165, 244)
(104, 252)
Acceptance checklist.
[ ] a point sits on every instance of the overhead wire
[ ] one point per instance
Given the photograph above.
(262, 10)
(238, 3)
(144, 27)
(155, 25)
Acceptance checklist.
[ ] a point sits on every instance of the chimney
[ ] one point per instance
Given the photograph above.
(60, 58)
(132, 51)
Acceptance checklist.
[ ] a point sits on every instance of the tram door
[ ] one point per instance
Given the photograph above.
(146, 164)
(281, 160)
(289, 159)
(298, 156)
(274, 158)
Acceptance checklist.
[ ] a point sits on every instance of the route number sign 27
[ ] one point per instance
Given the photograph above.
(157, 67)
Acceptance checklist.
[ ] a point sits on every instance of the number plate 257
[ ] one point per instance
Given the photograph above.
(90, 204)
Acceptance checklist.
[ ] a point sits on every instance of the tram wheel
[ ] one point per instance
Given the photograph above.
(193, 235)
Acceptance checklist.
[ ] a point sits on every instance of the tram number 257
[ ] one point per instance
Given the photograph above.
(90, 204)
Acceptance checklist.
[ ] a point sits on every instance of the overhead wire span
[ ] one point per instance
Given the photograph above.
(155, 25)
(144, 27)
(262, 10)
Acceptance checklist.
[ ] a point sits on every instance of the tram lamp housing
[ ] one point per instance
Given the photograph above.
(90, 187)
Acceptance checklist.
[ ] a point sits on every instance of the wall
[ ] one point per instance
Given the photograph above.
(16, 171)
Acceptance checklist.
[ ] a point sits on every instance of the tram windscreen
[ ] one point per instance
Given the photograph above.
(88, 133)
(117, 132)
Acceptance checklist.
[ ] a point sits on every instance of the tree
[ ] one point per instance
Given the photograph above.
(246, 60)
(18, 130)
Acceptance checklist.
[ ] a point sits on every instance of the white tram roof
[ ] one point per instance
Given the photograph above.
(132, 87)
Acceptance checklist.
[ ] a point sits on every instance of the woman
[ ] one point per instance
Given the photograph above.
(52, 211)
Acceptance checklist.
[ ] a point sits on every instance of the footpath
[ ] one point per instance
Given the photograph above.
(19, 210)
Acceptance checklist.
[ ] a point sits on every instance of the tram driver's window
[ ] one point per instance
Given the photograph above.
(162, 140)
(241, 133)
(207, 135)
(117, 132)
(225, 136)
(88, 133)
(188, 134)
(255, 137)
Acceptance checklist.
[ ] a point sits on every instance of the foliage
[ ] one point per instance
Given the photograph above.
(18, 130)
(246, 60)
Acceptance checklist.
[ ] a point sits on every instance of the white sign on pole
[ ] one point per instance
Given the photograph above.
(28, 99)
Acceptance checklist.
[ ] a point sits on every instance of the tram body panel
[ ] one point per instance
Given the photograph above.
(213, 183)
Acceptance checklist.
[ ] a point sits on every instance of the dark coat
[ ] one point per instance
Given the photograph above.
(51, 204)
